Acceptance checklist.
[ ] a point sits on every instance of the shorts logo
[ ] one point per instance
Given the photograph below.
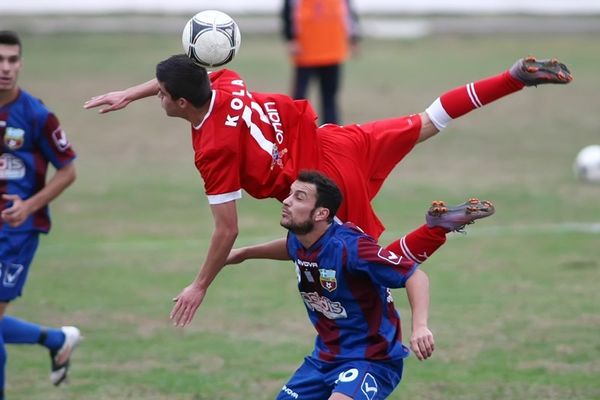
(10, 273)
(14, 138)
(369, 386)
(347, 376)
(327, 279)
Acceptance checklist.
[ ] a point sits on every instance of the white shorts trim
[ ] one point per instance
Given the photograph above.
(224, 198)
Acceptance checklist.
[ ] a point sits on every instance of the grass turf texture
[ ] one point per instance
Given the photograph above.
(514, 302)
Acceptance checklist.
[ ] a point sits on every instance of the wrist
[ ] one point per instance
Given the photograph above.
(30, 206)
(419, 325)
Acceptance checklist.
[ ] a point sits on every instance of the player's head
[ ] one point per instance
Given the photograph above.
(10, 60)
(180, 78)
(314, 199)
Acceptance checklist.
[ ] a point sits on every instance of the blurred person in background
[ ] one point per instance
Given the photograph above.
(31, 138)
(320, 35)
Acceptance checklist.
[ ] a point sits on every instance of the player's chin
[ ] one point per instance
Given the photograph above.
(285, 221)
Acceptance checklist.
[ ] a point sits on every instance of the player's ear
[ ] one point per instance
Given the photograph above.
(183, 103)
(321, 214)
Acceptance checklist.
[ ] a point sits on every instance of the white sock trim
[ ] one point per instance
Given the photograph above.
(473, 95)
(438, 116)
(407, 251)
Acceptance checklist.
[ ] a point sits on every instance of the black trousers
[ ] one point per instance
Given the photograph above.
(329, 82)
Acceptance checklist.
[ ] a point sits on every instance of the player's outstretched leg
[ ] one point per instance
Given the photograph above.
(533, 72)
(422, 242)
(61, 358)
(455, 218)
(525, 72)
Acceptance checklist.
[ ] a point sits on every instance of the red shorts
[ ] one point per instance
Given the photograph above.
(360, 157)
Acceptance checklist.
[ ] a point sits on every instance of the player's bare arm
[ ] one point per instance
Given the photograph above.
(273, 250)
(120, 99)
(417, 290)
(21, 209)
(428, 129)
(221, 243)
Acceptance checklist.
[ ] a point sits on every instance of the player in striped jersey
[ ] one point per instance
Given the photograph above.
(30, 139)
(259, 142)
(344, 278)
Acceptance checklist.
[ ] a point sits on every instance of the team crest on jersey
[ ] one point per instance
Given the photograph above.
(14, 138)
(327, 279)
(277, 156)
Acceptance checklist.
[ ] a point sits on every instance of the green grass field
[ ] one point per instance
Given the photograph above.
(514, 302)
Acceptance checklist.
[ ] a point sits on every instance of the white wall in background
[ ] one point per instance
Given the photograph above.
(547, 7)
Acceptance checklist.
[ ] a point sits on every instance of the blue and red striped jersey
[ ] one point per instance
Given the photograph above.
(31, 138)
(344, 280)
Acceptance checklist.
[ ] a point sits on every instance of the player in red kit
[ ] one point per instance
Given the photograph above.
(259, 142)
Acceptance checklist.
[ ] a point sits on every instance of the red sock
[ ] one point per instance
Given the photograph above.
(463, 99)
(420, 243)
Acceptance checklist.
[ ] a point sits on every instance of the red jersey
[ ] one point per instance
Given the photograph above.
(259, 142)
(252, 141)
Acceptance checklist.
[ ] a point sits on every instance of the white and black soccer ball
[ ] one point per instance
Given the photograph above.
(211, 38)
(587, 164)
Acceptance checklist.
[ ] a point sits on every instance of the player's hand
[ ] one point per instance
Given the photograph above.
(186, 304)
(17, 213)
(421, 343)
(235, 256)
(114, 100)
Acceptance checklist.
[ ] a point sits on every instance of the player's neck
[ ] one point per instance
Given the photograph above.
(196, 115)
(312, 237)
(8, 96)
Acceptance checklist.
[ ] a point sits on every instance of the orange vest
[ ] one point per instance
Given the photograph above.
(322, 31)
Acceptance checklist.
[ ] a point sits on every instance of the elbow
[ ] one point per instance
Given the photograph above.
(69, 173)
(73, 176)
(419, 277)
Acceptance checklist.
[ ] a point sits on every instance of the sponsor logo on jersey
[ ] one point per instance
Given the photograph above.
(289, 392)
(14, 138)
(11, 167)
(389, 256)
(327, 279)
(369, 386)
(307, 264)
(330, 309)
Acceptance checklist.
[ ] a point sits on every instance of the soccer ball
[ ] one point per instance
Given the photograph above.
(587, 164)
(211, 38)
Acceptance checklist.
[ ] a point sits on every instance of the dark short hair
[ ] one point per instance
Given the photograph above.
(184, 79)
(10, 38)
(328, 193)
